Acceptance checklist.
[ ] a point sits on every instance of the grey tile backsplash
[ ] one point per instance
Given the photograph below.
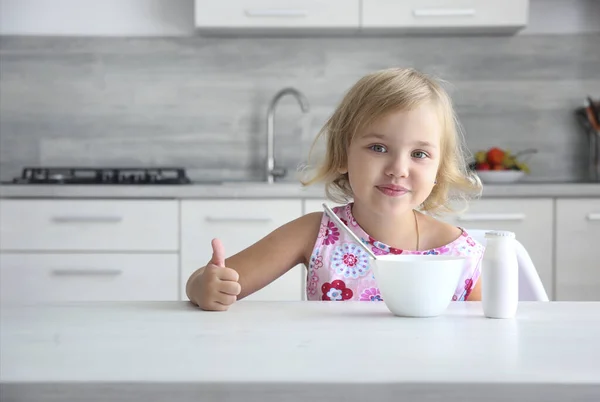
(201, 103)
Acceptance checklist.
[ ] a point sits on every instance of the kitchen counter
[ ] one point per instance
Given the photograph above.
(297, 351)
(263, 190)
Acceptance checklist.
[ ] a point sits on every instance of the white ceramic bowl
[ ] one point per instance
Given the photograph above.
(500, 176)
(417, 285)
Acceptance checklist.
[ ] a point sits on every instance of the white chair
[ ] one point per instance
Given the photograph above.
(530, 284)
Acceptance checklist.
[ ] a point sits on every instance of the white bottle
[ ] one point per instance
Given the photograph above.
(499, 275)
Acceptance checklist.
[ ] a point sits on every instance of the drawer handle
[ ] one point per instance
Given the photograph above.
(86, 219)
(275, 12)
(212, 219)
(491, 217)
(86, 272)
(444, 12)
(594, 216)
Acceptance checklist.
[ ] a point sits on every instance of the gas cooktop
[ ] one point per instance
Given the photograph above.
(102, 175)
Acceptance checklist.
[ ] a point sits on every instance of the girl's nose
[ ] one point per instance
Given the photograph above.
(398, 166)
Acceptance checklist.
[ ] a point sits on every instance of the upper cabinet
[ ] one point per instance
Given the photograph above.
(363, 15)
(277, 17)
(445, 15)
(276, 14)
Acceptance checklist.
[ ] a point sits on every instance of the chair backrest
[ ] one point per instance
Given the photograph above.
(531, 287)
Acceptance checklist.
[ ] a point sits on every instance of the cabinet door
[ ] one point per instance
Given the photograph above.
(89, 225)
(50, 277)
(253, 14)
(530, 219)
(443, 13)
(238, 224)
(577, 249)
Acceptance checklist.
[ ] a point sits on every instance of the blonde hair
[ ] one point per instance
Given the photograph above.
(372, 97)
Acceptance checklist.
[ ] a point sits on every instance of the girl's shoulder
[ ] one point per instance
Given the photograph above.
(442, 237)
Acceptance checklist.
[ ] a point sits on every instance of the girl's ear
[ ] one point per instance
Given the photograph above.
(342, 170)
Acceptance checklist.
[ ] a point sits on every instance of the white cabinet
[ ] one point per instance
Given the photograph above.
(463, 15)
(578, 249)
(269, 14)
(54, 277)
(530, 219)
(238, 224)
(98, 225)
(78, 250)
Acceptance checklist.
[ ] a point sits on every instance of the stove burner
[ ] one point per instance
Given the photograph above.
(72, 175)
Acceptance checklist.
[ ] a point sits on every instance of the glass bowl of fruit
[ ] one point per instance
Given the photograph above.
(497, 165)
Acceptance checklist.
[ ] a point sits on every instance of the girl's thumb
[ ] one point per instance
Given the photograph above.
(218, 255)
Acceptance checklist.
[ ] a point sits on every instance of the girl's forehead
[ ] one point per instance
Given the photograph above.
(419, 121)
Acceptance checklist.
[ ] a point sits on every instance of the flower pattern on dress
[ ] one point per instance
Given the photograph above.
(350, 260)
(336, 291)
(331, 233)
(341, 269)
(468, 288)
(316, 261)
(443, 250)
(370, 294)
(312, 284)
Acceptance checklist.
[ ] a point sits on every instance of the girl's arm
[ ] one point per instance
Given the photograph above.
(269, 258)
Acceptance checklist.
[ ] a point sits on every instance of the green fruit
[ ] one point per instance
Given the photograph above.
(509, 162)
(480, 157)
(523, 166)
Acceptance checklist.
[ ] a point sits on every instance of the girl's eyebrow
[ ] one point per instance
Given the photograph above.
(420, 143)
(374, 135)
(425, 144)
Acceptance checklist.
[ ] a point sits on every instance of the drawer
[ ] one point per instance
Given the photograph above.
(88, 277)
(443, 13)
(277, 14)
(93, 225)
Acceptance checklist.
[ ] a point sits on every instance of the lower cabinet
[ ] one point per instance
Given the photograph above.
(578, 249)
(58, 277)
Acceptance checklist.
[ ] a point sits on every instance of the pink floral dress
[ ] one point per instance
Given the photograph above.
(339, 268)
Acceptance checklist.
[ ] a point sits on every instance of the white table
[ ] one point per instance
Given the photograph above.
(297, 351)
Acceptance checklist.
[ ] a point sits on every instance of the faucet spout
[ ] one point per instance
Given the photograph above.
(271, 170)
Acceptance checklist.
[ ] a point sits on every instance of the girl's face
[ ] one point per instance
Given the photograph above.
(393, 163)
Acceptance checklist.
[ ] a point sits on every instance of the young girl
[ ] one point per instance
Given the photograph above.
(392, 148)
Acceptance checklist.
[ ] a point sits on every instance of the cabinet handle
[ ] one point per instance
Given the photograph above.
(213, 219)
(444, 12)
(86, 219)
(594, 216)
(86, 272)
(276, 12)
(491, 217)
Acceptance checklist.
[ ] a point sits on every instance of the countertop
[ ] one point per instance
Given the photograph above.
(297, 351)
(264, 190)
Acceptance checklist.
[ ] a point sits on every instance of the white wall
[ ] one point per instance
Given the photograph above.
(176, 17)
(563, 17)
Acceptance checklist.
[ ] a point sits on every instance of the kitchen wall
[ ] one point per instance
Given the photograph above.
(201, 103)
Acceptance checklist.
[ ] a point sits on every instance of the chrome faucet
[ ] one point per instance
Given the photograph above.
(271, 171)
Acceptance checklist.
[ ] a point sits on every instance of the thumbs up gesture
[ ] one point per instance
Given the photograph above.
(218, 287)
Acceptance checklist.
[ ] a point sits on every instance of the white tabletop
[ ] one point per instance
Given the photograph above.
(295, 348)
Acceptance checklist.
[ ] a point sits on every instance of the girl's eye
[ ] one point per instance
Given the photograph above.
(419, 154)
(378, 148)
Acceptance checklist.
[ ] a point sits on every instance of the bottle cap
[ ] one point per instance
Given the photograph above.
(499, 233)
